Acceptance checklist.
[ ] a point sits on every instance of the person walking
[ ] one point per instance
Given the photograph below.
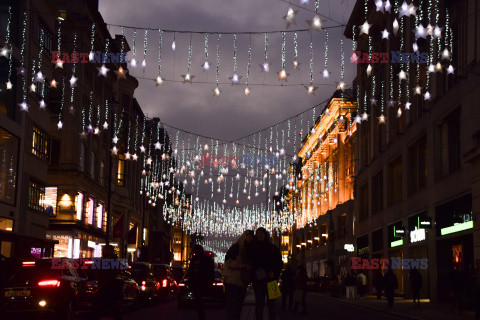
(362, 284)
(300, 294)
(391, 284)
(287, 287)
(378, 284)
(200, 275)
(267, 265)
(416, 285)
(236, 273)
(350, 286)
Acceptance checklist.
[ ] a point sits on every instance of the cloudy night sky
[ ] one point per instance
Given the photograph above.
(232, 115)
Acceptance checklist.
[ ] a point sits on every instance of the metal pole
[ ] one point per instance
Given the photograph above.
(109, 187)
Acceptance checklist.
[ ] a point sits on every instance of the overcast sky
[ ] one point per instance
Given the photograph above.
(192, 107)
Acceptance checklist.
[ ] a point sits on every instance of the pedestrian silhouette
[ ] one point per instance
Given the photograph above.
(391, 284)
(416, 285)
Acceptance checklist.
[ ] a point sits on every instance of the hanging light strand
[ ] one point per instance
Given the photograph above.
(326, 48)
(189, 54)
(266, 46)
(160, 39)
(234, 53)
(295, 45)
(92, 37)
(249, 61)
(311, 58)
(283, 50)
(218, 59)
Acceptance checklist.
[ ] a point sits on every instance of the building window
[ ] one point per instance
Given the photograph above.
(177, 256)
(285, 240)
(99, 215)
(79, 205)
(44, 33)
(40, 143)
(82, 156)
(36, 196)
(121, 170)
(377, 193)
(8, 166)
(6, 224)
(102, 173)
(93, 165)
(417, 163)
(285, 256)
(51, 200)
(363, 195)
(395, 181)
(89, 210)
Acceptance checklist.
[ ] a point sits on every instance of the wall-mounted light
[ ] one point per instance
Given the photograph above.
(66, 201)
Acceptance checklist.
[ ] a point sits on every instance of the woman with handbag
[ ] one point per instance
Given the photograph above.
(237, 275)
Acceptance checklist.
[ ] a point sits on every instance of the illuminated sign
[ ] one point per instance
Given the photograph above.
(399, 231)
(396, 243)
(417, 235)
(349, 247)
(424, 223)
(457, 228)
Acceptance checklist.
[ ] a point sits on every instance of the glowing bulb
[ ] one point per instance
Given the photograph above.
(247, 91)
(325, 73)
(206, 66)
(173, 45)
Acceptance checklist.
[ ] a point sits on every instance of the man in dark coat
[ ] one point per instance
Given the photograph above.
(287, 288)
(267, 264)
(416, 285)
(391, 284)
(378, 284)
(200, 276)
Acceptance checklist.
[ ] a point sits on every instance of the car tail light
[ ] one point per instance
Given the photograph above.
(143, 283)
(28, 263)
(49, 283)
(164, 283)
(181, 284)
(218, 284)
(88, 262)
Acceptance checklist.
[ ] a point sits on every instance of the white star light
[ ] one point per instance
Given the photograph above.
(415, 47)
(438, 67)
(387, 6)
(450, 69)
(369, 70)
(187, 78)
(445, 54)
(158, 145)
(290, 18)
(418, 90)
(381, 119)
(39, 77)
(59, 63)
(311, 89)
(379, 5)
(115, 139)
(358, 119)
(402, 75)
(420, 31)
(206, 66)
(158, 81)
(315, 24)
(144, 64)
(90, 56)
(365, 27)
(247, 91)
(9, 85)
(341, 86)
(24, 106)
(265, 67)
(431, 68)
(399, 112)
(296, 64)
(73, 81)
(404, 10)
(173, 45)
(395, 26)
(325, 73)
(427, 96)
(235, 78)
(96, 130)
(33, 87)
(102, 71)
(149, 161)
(59, 124)
(105, 125)
(134, 157)
(133, 63)
(142, 149)
(407, 106)
(364, 116)
(4, 52)
(114, 150)
(42, 104)
(282, 75)
(216, 92)
(385, 34)
(437, 32)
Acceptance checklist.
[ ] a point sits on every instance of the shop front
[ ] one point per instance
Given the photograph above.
(77, 244)
(454, 231)
(396, 241)
(418, 233)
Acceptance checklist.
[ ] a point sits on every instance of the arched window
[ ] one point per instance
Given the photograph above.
(93, 165)
(82, 156)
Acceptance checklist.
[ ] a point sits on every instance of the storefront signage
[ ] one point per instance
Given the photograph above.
(399, 232)
(424, 223)
(417, 235)
(457, 228)
(349, 247)
(396, 243)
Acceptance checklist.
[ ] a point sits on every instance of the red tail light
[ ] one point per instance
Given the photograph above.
(28, 263)
(218, 284)
(88, 262)
(181, 284)
(143, 283)
(164, 283)
(49, 283)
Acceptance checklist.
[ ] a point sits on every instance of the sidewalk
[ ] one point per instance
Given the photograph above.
(404, 308)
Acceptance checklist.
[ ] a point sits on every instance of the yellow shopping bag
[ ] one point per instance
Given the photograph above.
(273, 290)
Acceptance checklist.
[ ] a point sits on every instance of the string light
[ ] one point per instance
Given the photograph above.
(159, 80)
(133, 61)
(296, 64)
(145, 44)
(265, 66)
(187, 78)
(216, 91)
(235, 78)
(206, 65)
(282, 74)
(325, 73)
(247, 89)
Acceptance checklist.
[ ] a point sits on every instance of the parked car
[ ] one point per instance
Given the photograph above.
(37, 288)
(178, 273)
(142, 273)
(215, 294)
(130, 288)
(168, 285)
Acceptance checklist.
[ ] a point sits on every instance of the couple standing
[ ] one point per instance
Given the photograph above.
(252, 259)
